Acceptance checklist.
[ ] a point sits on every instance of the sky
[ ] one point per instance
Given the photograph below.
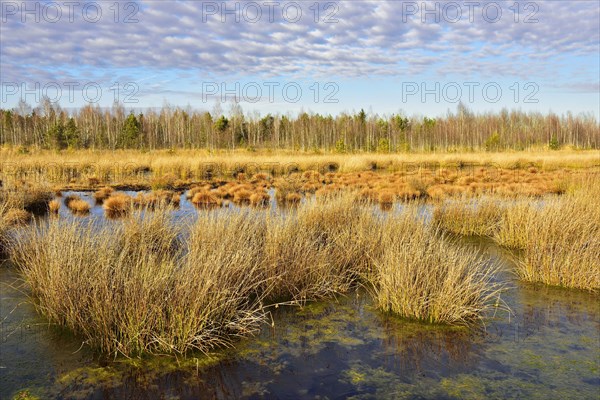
(413, 57)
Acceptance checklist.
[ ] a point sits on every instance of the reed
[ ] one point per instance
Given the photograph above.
(556, 235)
(206, 199)
(103, 194)
(54, 206)
(118, 204)
(425, 276)
(145, 284)
(16, 216)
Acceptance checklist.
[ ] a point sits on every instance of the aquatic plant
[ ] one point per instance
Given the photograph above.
(76, 204)
(206, 199)
(103, 194)
(423, 275)
(146, 284)
(16, 216)
(54, 206)
(118, 204)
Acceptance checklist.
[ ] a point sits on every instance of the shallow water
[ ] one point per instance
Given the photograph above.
(549, 347)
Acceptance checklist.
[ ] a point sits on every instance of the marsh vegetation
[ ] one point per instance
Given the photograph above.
(195, 264)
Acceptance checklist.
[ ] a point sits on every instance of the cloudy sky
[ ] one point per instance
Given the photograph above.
(422, 57)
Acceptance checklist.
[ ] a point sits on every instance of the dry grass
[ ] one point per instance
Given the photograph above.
(206, 199)
(16, 216)
(118, 205)
(33, 198)
(478, 216)
(157, 198)
(54, 206)
(559, 239)
(5, 229)
(76, 204)
(260, 199)
(386, 197)
(145, 284)
(557, 236)
(423, 275)
(126, 289)
(293, 198)
(103, 194)
(162, 169)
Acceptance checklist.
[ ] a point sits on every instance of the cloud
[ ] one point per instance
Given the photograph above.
(370, 38)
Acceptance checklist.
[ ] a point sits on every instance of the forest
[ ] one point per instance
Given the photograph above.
(48, 126)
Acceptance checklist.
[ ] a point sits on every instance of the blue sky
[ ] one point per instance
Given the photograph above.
(283, 57)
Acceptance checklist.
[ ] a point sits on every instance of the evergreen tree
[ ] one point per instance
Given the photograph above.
(71, 134)
(131, 132)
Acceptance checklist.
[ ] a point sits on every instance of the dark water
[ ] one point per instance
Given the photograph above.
(548, 348)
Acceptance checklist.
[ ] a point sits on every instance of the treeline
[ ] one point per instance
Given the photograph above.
(49, 126)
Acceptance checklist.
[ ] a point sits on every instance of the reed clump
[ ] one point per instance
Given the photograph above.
(33, 198)
(54, 206)
(260, 199)
(424, 275)
(103, 194)
(4, 230)
(557, 236)
(136, 293)
(206, 199)
(479, 217)
(145, 284)
(76, 204)
(118, 205)
(16, 216)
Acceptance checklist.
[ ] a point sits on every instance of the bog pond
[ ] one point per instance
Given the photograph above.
(547, 347)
